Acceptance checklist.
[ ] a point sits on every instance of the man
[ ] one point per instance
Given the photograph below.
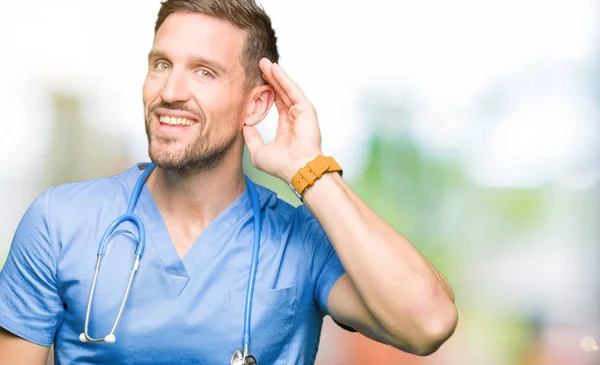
(212, 78)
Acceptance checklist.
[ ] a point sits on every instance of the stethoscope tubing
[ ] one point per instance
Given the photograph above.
(253, 266)
(129, 216)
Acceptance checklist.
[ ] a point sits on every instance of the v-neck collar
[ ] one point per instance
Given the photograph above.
(181, 270)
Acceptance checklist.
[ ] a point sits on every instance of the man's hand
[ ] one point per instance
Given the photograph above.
(298, 138)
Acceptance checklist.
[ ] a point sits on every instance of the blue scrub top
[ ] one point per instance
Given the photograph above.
(180, 311)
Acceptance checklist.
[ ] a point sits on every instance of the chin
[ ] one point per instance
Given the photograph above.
(167, 158)
(168, 164)
(188, 159)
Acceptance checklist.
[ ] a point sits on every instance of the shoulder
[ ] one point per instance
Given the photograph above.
(71, 204)
(60, 208)
(89, 191)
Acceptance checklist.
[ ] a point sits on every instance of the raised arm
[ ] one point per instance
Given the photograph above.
(390, 292)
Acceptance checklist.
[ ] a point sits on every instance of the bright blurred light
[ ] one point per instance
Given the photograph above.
(588, 344)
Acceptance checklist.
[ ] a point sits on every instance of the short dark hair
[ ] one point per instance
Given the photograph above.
(243, 14)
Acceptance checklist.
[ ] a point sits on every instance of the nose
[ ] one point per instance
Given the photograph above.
(176, 88)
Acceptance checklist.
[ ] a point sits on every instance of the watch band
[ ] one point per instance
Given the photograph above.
(307, 175)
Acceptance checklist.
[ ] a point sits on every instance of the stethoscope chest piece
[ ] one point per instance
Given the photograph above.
(238, 359)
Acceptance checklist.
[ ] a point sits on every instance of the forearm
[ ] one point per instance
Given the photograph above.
(377, 224)
(402, 290)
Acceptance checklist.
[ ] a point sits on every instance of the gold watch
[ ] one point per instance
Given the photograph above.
(307, 175)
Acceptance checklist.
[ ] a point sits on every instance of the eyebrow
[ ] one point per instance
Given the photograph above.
(157, 54)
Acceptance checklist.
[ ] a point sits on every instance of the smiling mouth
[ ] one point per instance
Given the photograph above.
(165, 120)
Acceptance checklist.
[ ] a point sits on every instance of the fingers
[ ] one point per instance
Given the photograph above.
(253, 140)
(282, 108)
(283, 123)
(289, 98)
(291, 89)
(265, 66)
(290, 92)
(294, 112)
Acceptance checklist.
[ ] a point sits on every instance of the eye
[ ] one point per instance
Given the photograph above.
(162, 66)
(205, 73)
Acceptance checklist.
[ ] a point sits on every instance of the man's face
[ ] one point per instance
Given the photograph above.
(194, 91)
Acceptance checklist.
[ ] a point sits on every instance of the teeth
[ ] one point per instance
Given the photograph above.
(175, 121)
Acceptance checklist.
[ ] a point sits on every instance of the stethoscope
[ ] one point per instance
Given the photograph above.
(240, 357)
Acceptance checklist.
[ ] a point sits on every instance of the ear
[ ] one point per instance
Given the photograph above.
(258, 106)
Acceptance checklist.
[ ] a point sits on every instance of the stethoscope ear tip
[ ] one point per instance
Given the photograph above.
(110, 338)
(82, 338)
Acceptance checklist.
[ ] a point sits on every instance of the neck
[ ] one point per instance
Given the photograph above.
(200, 197)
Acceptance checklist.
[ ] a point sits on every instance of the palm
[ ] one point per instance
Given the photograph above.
(298, 138)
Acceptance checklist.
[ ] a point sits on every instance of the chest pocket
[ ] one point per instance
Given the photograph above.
(273, 314)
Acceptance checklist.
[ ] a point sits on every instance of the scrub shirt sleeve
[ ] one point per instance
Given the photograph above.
(30, 306)
(325, 265)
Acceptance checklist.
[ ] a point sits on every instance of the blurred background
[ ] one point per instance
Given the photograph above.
(471, 126)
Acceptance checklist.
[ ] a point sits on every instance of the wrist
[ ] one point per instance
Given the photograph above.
(299, 163)
(317, 191)
(311, 172)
